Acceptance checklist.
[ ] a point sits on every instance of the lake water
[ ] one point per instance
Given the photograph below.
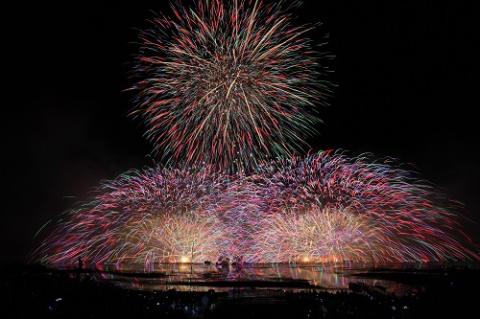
(201, 277)
(279, 290)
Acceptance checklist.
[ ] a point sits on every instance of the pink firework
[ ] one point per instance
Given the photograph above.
(321, 209)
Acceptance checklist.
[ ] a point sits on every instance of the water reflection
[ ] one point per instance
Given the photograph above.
(202, 277)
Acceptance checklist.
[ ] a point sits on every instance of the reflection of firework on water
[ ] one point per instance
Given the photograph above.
(325, 208)
(228, 82)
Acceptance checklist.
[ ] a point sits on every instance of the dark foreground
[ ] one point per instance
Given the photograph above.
(308, 292)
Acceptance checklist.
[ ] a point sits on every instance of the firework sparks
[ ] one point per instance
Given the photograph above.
(318, 236)
(227, 86)
(324, 208)
(141, 218)
(372, 212)
(229, 82)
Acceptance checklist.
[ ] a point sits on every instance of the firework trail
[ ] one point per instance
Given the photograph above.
(321, 209)
(229, 82)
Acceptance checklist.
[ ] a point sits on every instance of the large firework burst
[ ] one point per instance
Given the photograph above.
(324, 208)
(229, 82)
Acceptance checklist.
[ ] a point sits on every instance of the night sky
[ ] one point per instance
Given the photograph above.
(406, 89)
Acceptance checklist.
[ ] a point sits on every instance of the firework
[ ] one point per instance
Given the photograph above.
(240, 210)
(141, 218)
(331, 207)
(321, 209)
(229, 82)
(225, 87)
(317, 236)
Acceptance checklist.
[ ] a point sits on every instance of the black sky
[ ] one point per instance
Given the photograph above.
(406, 88)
